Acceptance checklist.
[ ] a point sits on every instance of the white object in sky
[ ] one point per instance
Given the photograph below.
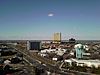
(50, 14)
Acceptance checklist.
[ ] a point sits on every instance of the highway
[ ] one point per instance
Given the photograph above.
(31, 59)
(50, 67)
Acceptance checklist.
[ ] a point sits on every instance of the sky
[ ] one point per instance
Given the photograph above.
(40, 19)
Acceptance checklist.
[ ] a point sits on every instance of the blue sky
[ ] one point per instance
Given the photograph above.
(28, 19)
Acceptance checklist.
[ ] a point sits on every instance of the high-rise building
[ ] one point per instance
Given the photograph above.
(33, 45)
(57, 37)
(79, 51)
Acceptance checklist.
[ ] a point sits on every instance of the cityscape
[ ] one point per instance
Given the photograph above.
(49, 37)
(50, 57)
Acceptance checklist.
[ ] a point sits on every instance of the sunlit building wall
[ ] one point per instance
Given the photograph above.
(57, 37)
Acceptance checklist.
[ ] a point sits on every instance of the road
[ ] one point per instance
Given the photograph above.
(51, 67)
(31, 59)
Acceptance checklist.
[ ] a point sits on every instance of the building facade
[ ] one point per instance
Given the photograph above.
(57, 37)
(33, 45)
(79, 51)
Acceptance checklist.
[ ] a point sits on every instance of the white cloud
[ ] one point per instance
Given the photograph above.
(50, 14)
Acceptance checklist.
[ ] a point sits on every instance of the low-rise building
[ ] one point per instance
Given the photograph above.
(88, 63)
